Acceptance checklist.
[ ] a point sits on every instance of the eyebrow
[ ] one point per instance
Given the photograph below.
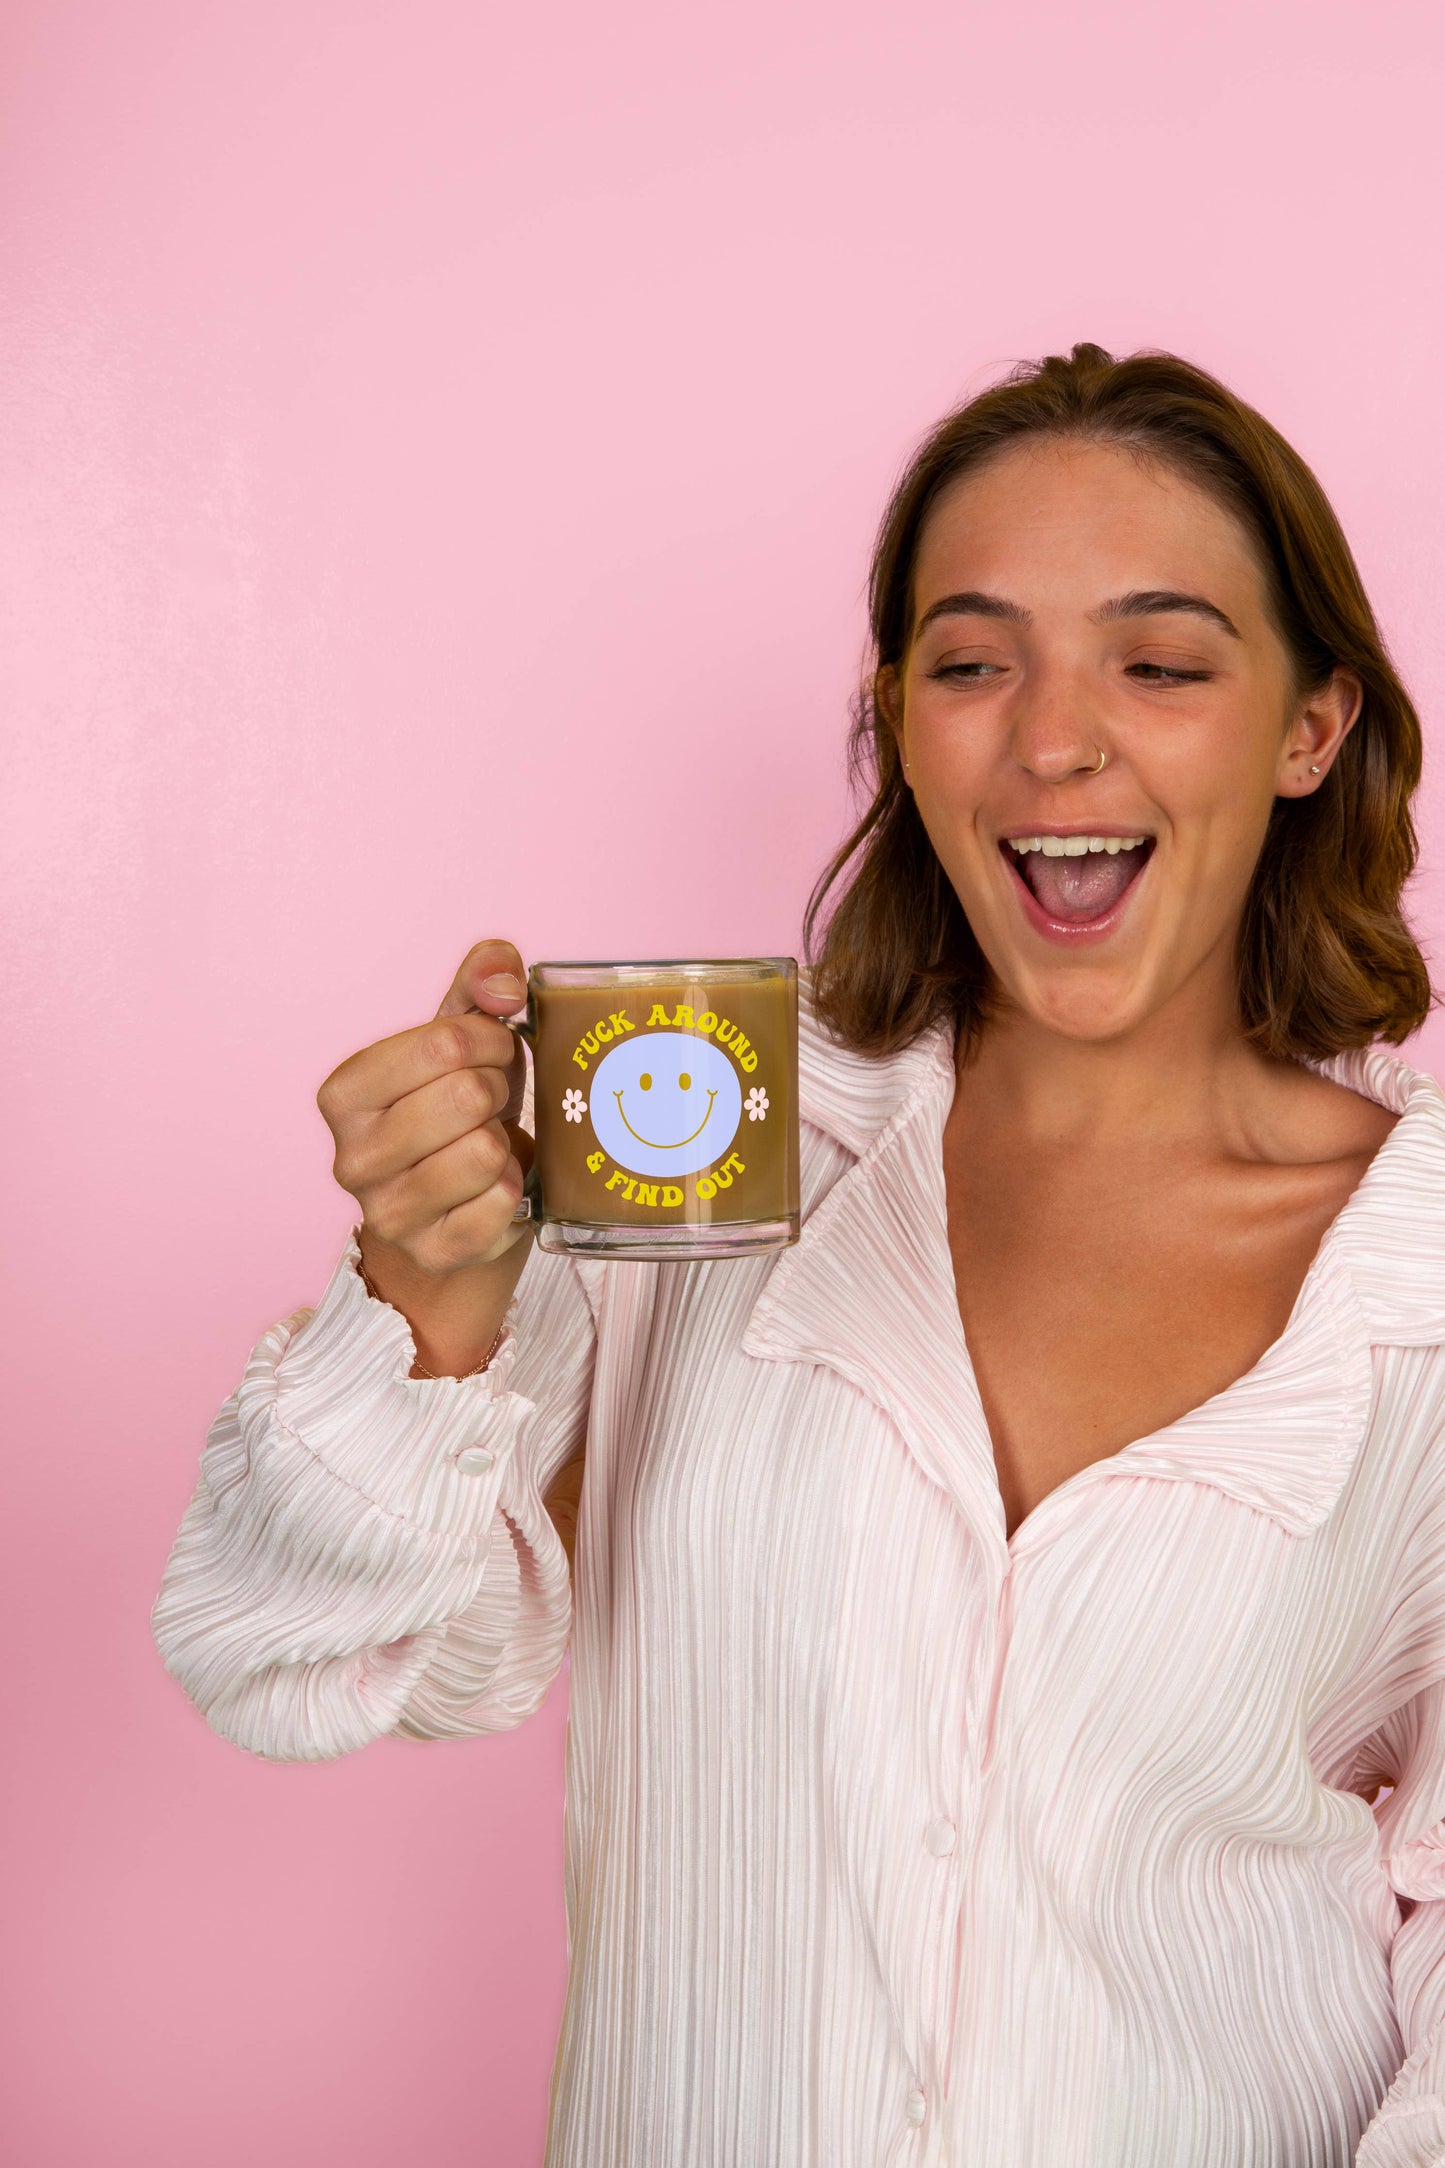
(1141, 602)
(1159, 602)
(974, 604)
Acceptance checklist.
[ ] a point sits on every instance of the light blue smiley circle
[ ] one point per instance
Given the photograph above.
(652, 1122)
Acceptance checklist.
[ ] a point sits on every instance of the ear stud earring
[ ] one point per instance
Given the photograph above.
(1314, 771)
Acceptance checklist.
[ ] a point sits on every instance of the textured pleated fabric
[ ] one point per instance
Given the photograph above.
(892, 1843)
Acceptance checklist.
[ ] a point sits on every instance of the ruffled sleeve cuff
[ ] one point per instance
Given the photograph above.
(430, 1451)
(1408, 2129)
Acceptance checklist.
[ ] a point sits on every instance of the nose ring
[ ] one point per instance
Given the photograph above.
(1103, 756)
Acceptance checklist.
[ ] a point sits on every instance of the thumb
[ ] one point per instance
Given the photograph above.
(492, 980)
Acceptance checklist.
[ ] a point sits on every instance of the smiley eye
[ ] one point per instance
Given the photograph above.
(645, 1081)
(685, 1081)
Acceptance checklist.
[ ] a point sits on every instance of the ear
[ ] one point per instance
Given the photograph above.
(887, 700)
(1318, 731)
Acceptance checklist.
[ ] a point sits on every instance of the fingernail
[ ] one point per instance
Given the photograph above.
(505, 984)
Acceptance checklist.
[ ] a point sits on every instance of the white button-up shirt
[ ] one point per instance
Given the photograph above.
(889, 1840)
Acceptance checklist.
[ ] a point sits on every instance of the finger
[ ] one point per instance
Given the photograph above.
(492, 978)
(382, 1074)
(422, 1122)
(476, 1234)
(480, 1164)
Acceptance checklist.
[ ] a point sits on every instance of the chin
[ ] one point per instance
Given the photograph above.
(1085, 1017)
(1093, 1000)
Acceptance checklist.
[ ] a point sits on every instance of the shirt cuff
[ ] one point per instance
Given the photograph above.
(431, 1451)
(1410, 2136)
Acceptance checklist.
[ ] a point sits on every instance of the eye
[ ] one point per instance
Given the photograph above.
(968, 670)
(645, 1081)
(1159, 673)
(685, 1081)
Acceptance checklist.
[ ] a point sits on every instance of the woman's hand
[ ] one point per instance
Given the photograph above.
(427, 1144)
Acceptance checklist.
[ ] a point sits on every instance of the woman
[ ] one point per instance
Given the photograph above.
(1008, 1688)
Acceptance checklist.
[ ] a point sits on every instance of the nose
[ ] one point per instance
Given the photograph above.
(1056, 732)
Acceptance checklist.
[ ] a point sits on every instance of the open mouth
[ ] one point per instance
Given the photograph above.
(1077, 880)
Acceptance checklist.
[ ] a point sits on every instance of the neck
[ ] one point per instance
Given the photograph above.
(1182, 1074)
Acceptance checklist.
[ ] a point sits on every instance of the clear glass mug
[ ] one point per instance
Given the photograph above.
(665, 1106)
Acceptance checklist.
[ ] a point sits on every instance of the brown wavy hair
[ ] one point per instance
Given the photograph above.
(1326, 960)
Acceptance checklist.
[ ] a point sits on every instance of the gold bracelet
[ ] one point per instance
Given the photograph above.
(417, 1363)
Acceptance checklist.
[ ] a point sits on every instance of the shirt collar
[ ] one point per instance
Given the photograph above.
(1390, 1236)
(869, 1292)
(853, 1097)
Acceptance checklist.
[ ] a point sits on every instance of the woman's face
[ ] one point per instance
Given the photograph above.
(1072, 600)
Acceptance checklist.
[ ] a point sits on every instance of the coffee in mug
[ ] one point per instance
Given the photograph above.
(665, 1107)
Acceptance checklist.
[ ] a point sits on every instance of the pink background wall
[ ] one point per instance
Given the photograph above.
(408, 414)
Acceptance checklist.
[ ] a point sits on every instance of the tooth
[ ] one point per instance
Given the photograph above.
(1075, 846)
(1052, 846)
(1113, 845)
(1097, 843)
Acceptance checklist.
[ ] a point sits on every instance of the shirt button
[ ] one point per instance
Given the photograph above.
(474, 1460)
(917, 2107)
(939, 1837)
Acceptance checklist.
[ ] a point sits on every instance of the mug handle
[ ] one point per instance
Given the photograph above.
(529, 1205)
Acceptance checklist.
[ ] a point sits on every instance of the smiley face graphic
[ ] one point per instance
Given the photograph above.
(665, 1103)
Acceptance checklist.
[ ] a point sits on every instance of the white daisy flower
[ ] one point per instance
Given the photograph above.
(574, 1106)
(757, 1104)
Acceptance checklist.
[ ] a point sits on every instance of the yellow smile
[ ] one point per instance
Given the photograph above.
(666, 1147)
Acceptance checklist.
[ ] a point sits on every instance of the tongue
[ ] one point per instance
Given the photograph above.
(1080, 888)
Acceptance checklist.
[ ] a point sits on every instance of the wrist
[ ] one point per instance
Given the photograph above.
(456, 1319)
